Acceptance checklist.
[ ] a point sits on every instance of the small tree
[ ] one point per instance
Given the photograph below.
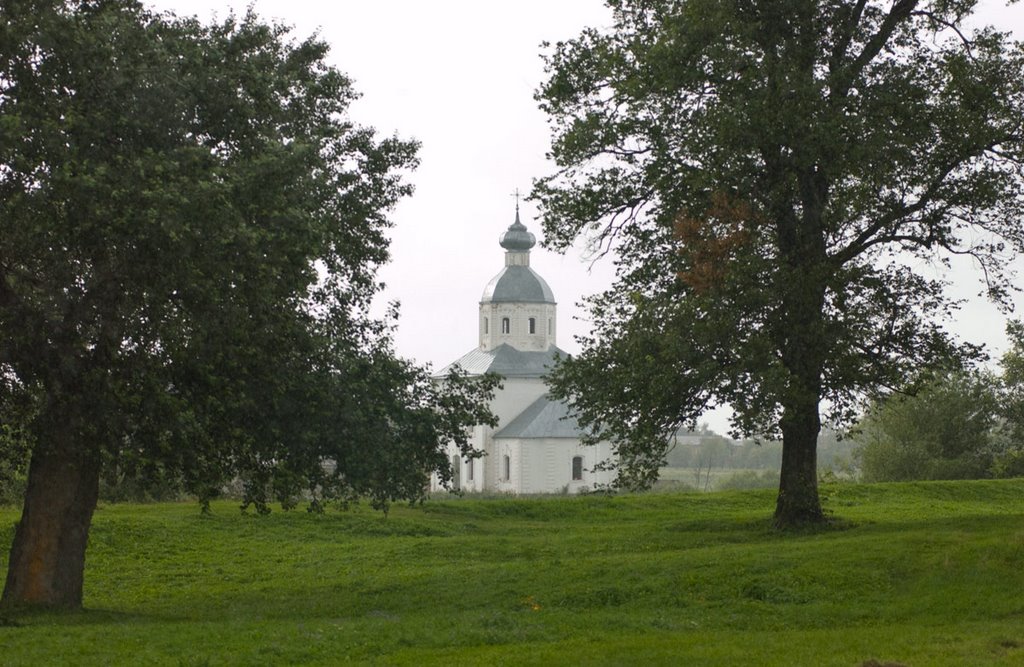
(772, 175)
(190, 228)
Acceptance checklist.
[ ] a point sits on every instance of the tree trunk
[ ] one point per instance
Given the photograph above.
(47, 561)
(802, 342)
(798, 502)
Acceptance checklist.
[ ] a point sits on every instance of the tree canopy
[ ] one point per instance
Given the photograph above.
(774, 179)
(190, 228)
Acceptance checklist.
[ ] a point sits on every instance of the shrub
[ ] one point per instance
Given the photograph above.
(947, 430)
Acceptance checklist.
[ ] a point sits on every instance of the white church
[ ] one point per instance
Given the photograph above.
(536, 446)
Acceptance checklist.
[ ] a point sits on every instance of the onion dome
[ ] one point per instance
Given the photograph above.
(516, 238)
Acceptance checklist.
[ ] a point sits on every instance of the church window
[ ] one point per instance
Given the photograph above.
(506, 326)
(549, 326)
(577, 468)
(469, 470)
(506, 468)
(533, 325)
(485, 325)
(456, 472)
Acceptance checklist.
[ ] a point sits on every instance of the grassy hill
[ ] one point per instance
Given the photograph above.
(914, 574)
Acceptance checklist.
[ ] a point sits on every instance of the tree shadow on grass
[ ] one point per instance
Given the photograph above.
(20, 616)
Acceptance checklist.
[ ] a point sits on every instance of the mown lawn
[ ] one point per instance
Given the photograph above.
(916, 574)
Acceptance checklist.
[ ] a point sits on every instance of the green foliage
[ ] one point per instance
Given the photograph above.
(12, 477)
(946, 430)
(768, 176)
(956, 425)
(115, 486)
(1010, 461)
(917, 574)
(190, 229)
(15, 445)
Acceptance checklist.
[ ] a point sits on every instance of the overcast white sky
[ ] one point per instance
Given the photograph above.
(459, 76)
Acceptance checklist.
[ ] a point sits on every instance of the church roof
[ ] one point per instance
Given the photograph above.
(507, 361)
(517, 284)
(545, 418)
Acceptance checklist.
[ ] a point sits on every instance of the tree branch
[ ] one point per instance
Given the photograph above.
(843, 43)
(864, 240)
(946, 24)
(900, 11)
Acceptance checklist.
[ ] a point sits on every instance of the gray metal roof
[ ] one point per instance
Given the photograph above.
(517, 284)
(545, 418)
(507, 361)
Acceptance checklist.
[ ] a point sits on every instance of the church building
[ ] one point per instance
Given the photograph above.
(536, 446)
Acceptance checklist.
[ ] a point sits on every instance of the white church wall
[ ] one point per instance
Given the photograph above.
(472, 477)
(545, 465)
(467, 482)
(541, 464)
(593, 455)
(492, 329)
(516, 395)
(506, 464)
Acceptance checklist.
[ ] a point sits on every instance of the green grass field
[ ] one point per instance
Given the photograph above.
(915, 574)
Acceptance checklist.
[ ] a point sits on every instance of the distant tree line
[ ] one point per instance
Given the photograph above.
(755, 463)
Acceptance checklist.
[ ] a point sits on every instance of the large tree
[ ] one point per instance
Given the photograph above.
(190, 228)
(778, 180)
